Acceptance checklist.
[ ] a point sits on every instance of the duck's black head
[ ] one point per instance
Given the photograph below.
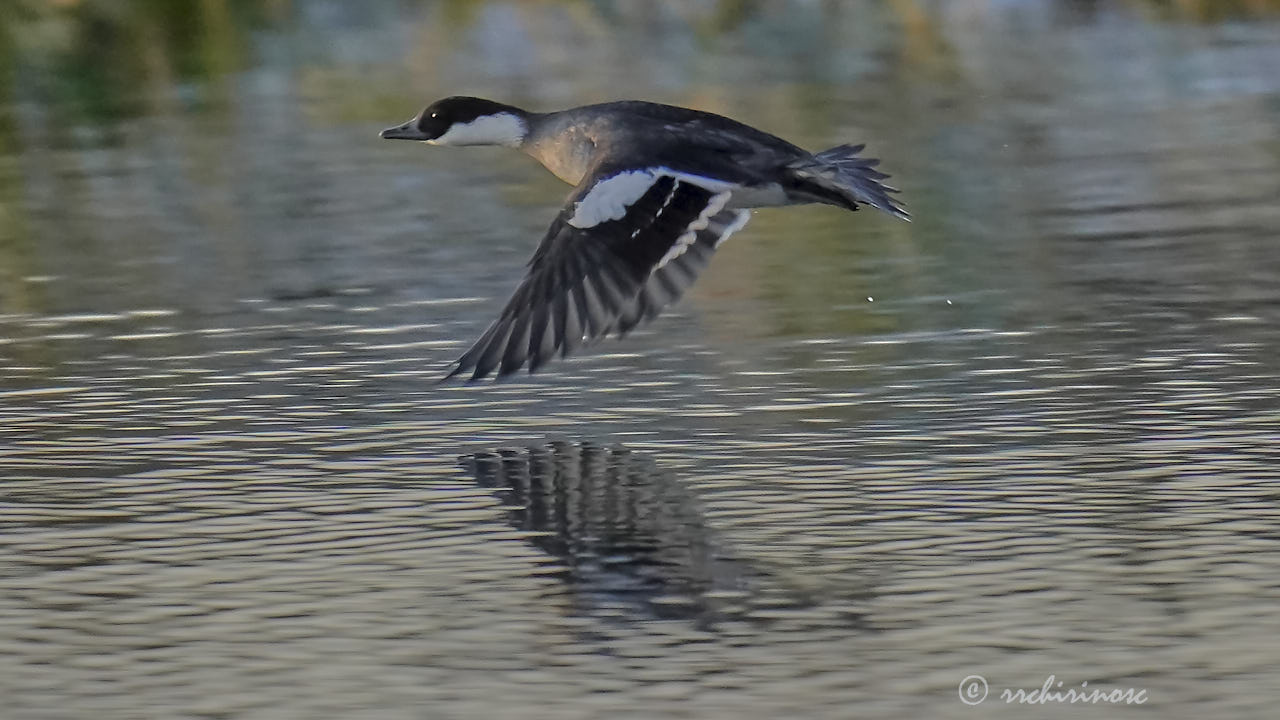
(463, 120)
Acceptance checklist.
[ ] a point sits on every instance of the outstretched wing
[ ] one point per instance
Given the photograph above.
(626, 245)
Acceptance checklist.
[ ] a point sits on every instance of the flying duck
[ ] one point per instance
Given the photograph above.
(657, 188)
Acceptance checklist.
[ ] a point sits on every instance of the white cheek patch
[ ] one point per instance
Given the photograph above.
(500, 129)
(610, 198)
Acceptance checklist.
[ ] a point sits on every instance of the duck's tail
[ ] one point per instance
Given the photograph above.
(840, 177)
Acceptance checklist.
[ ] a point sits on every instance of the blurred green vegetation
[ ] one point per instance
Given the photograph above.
(94, 59)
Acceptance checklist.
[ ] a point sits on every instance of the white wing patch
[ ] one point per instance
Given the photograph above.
(610, 198)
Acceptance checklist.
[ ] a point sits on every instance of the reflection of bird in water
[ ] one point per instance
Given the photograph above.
(658, 188)
(631, 538)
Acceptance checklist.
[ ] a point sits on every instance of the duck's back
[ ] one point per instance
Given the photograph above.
(653, 125)
(637, 133)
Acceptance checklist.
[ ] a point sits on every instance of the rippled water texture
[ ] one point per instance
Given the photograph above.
(1036, 432)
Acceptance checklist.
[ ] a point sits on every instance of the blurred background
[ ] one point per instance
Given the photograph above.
(1035, 432)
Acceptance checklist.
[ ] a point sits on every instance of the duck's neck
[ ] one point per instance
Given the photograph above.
(565, 144)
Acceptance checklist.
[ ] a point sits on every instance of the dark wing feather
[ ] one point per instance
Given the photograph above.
(667, 284)
(585, 282)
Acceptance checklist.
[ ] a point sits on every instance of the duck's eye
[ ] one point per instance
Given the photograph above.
(435, 114)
